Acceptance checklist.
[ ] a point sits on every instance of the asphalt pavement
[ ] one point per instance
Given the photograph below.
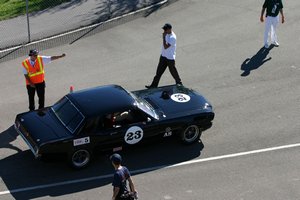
(63, 18)
(67, 23)
(255, 94)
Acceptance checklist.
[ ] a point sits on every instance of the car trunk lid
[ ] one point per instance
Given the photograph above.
(46, 127)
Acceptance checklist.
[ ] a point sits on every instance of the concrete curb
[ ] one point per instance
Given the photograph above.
(72, 36)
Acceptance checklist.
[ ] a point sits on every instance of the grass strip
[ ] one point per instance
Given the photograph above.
(14, 8)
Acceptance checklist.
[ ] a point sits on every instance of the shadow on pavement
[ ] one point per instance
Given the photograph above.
(44, 5)
(8, 136)
(256, 61)
(98, 19)
(120, 8)
(21, 170)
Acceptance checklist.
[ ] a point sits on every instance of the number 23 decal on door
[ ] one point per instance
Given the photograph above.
(133, 135)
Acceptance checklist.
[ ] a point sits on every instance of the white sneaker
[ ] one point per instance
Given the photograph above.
(266, 46)
(276, 44)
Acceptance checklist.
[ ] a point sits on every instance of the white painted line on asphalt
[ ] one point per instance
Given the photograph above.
(151, 169)
(236, 155)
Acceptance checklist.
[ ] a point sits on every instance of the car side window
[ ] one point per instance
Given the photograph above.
(93, 125)
(108, 120)
(127, 117)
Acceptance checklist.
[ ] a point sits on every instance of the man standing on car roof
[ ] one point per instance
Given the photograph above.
(121, 175)
(167, 57)
(274, 7)
(33, 70)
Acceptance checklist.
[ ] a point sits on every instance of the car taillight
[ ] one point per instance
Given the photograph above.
(17, 124)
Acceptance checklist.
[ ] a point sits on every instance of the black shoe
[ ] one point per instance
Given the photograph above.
(179, 83)
(149, 86)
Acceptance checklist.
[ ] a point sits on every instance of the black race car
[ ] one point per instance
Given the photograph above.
(110, 118)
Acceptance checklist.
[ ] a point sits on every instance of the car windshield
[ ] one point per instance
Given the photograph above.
(68, 114)
(145, 106)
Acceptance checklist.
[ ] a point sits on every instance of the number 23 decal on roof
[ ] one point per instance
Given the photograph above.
(181, 98)
(133, 135)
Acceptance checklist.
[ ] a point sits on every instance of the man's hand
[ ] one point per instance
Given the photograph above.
(32, 85)
(57, 57)
(282, 19)
(262, 14)
(262, 18)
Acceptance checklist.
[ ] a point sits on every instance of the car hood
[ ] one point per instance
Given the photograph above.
(41, 126)
(175, 101)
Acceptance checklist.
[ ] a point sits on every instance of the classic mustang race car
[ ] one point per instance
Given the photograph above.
(110, 118)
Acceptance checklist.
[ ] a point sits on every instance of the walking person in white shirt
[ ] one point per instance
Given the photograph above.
(167, 58)
(273, 7)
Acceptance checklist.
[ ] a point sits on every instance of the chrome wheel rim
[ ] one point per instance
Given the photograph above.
(191, 133)
(80, 158)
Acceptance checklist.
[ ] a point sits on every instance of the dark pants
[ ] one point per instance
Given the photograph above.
(162, 65)
(40, 90)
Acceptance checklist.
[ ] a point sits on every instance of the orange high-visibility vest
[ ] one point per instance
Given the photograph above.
(36, 73)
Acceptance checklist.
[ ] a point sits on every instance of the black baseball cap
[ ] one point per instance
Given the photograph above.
(116, 158)
(167, 26)
(33, 52)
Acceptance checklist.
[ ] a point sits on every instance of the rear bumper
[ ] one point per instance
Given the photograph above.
(35, 150)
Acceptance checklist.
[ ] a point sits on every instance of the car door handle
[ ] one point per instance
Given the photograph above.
(113, 133)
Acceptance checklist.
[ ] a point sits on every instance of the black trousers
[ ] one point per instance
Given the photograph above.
(40, 90)
(162, 65)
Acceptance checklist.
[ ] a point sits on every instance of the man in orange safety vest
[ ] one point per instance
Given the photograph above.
(33, 70)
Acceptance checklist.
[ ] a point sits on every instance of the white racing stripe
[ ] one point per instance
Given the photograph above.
(151, 169)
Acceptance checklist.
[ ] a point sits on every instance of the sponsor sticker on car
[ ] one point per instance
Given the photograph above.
(168, 132)
(81, 141)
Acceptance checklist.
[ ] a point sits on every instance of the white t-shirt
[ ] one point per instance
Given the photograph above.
(46, 60)
(170, 53)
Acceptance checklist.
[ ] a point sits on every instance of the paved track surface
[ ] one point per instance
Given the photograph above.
(255, 93)
(62, 18)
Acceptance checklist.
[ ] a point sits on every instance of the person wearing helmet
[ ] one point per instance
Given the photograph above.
(121, 176)
(33, 70)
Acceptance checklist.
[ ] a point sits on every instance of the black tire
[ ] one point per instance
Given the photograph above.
(80, 158)
(190, 134)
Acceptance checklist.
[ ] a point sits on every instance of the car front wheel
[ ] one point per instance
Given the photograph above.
(190, 134)
(80, 158)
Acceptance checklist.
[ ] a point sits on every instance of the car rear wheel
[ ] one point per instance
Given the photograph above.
(190, 134)
(80, 158)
